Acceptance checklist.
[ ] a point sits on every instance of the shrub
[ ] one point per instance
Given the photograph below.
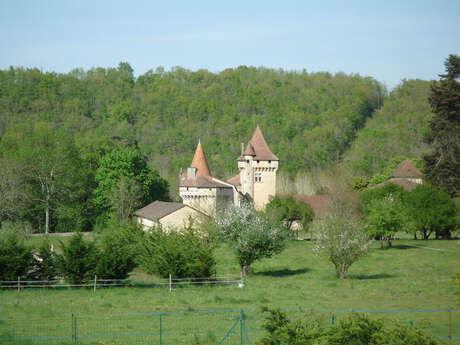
(182, 255)
(16, 260)
(356, 329)
(117, 251)
(45, 263)
(77, 263)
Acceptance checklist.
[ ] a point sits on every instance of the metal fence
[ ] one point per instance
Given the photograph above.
(195, 326)
(95, 284)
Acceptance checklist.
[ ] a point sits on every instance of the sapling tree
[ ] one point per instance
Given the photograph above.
(253, 235)
(340, 236)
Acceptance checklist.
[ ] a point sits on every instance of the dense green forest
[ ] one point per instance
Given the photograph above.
(310, 120)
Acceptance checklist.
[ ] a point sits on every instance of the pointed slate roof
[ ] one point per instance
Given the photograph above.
(199, 162)
(407, 170)
(258, 148)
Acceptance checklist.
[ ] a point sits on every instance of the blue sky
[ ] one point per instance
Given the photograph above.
(388, 40)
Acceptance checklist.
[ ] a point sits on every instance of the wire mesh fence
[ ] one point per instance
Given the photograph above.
(197, 326)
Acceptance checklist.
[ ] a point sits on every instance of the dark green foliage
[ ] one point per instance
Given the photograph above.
(396, 129)
(290, 211)
(16, 259)
(442, 164)
(432, 210)
(382, 192)
(46, 263)
(356, 329)
(78, 260)
(127, 164)
(183, 255)
(117, 251)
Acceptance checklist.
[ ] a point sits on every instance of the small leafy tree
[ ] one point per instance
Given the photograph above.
(181, 254)
(290, 211)
(341, 239)
(432, 210)
(15, 258)
(253, 235)
(385, 217)
(77, 263)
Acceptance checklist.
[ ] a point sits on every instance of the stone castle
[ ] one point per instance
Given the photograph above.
(255, 183)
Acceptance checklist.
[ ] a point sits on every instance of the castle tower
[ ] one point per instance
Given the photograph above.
(200, 190)
(258, 167)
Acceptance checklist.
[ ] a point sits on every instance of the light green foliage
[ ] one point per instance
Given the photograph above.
(432, 210)
(183, 254)
(341, 239)
(290, 211)
(47, 162)
(396, 129)
(117, 176)
(78, 260)
(253, 235)
(15, 257)
(385, 217)
(356, 329)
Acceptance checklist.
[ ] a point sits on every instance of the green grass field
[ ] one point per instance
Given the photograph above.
(401, 278)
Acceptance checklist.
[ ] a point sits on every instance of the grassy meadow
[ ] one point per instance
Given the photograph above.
(404, 277)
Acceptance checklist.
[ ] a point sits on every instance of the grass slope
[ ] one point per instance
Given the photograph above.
(402, 278)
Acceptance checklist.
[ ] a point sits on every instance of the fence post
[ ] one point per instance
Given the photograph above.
(170, 283)
(332, 319)
(450, 326)
(73, 331)
(19, 283)
(95, 278)
(161, 328)
(241, 327)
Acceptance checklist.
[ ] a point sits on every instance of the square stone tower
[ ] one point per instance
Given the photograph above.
(258, 167)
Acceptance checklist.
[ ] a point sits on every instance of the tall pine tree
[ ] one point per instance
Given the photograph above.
(442, 165)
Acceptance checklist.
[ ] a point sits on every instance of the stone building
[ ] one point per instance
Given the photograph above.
(199, 189)
(256, 181)
(405, 175)
(168, 216)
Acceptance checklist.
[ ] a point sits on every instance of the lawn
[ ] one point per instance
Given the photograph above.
(404, 277)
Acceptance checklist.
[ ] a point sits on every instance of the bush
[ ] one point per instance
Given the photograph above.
(77, 263)
(180, 254)
(356, 329)
(16, 260)
(45, 263)
(117, 252)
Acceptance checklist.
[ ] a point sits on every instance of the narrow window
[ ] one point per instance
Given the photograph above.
(258, 177)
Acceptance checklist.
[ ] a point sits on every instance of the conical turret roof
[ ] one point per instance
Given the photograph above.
(407, 170)
(258, 147)
(199, 162)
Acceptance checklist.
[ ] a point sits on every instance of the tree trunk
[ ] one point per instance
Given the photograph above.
(389, 242)
(245, 269)
(415, 235)
(47, 219)
(381, 242)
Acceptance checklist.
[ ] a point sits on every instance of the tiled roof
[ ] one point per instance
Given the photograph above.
(199, 162)
(235, 180)
(407, 170)
(258, 148)
(158, 209)
(319, 203)
(202, 182)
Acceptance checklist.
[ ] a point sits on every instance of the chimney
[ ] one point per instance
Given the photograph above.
(242, 148)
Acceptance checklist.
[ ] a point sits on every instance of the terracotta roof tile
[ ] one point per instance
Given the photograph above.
(199, 162)
(319, 203)
(202, 182)
(259, 146)
(408, 170)
(235, 180)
